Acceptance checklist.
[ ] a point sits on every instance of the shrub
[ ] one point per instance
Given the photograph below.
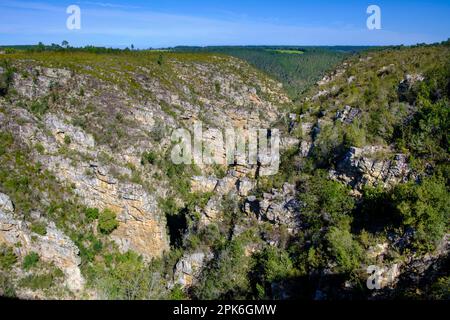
(440, 290)
(217, 86)
(149, 157)
(39, 228)
(7, 258)
(177, 294)
(272, 264)
(67, 139)
(91, 214)
(325, 198)
(160, 60)
(40, 148)
(30, 260)
(39, 107)
(6, 78)
(346, 251)
(425, 207)
(125, 276)
(226, 277)
(41, 281)
(107, 222)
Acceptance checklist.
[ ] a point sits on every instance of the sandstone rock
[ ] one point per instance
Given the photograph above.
(377, 250)
(289, 142)
(203, 184)
(305, 148)
(279, 208)
(385, 70)
(41, 83)
(369, 165)
(53, 247)
(5, 204)
(142, 226)
(189, 267)
(347, 115)
(60, 130)
(226, 185)
(245, 185)
(351, 79)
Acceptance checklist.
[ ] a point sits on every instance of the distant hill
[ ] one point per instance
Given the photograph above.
(296, 71)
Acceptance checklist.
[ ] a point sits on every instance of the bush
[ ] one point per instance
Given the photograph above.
(107, 222)
(30, 260)
(177, 294)
(346, 252)
(126, 276)
(325, 199)
(272, 264)
(91, 214)
(227, 275)
(41, 281)
(425, 207)
(149, 157)
(440, 290)
(7, 258)
(39, 107)
(39, 228)
(6, 78)
(67, 139)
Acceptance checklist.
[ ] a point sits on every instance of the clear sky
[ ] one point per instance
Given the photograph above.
(162, 23)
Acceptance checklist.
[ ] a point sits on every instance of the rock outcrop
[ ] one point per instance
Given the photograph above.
(371, 166)
(54, 247)
(189, 267)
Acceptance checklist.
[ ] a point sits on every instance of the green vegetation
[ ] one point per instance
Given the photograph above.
(67, 139)
(126, 277)
(149, 157)
(39, 228)
(226, 278)
(30, 260)
(7, 258)
(286, 51)
(43, 281)
(297, 68)
(6, 77)
(425, 207)
(269, 266)
(107, 222)
(253, 257)
(422, 208)
(91, 214)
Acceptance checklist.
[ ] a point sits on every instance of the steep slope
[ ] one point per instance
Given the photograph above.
(91, 203)
(86, 141)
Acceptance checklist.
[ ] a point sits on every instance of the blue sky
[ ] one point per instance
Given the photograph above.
(162, 23)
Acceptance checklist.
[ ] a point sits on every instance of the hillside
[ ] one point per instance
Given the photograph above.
(296, 67)
(91, 205)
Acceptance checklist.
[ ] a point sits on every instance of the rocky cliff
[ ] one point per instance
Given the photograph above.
(91, 204)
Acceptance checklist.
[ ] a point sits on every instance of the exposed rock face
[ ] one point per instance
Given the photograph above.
(405, 86)
(279, 207)
(141, 223)
(361, 167)
(40, 81)
(6, 204)
(203, 184)
(189, 267)
(347, 115)
(62, 130)
(245, 185)
(53, 247)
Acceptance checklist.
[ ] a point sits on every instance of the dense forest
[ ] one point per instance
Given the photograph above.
(295, 66)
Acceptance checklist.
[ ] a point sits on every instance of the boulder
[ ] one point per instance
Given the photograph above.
(189, 267)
